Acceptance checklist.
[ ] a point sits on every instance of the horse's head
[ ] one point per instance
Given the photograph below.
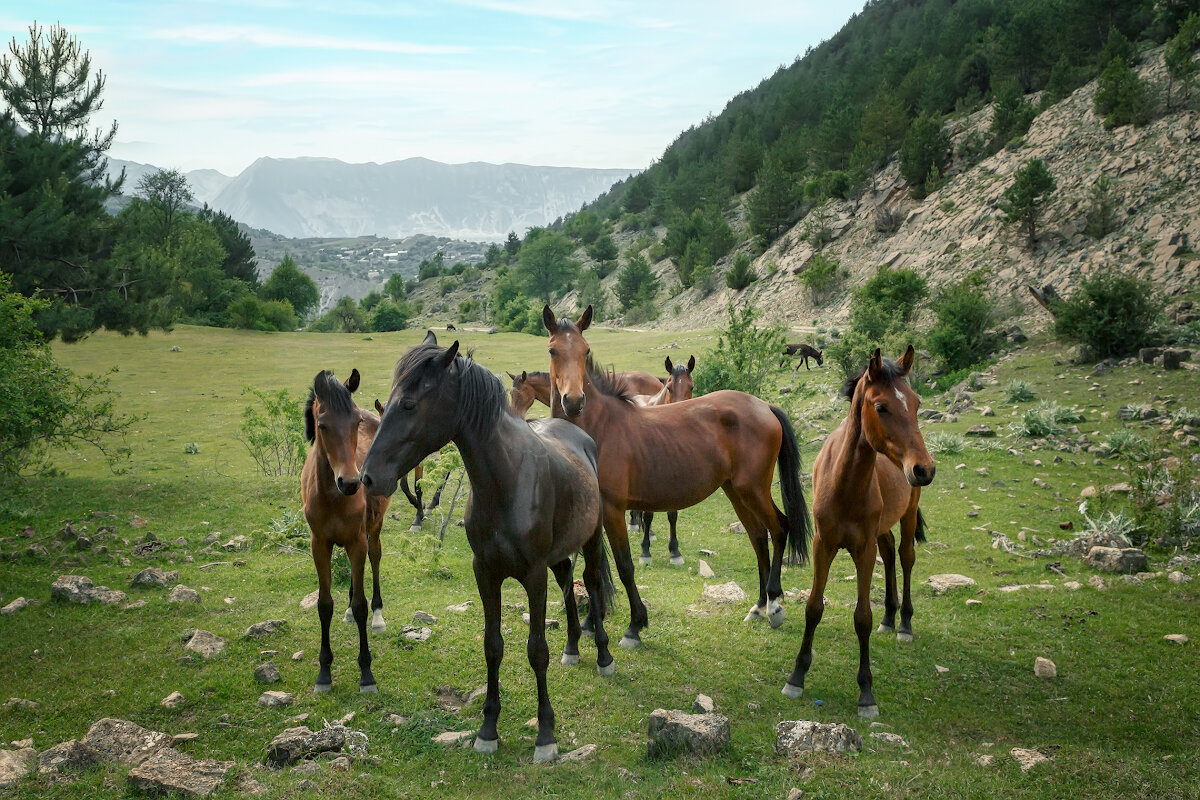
(419, 417)
(521, 395)
(820, 360)
(889, 415)
(331, 421)
(568, 359)
(679, 381)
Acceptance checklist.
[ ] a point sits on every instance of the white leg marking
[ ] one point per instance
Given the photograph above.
(377, 623)
(792, 691)
(775, 613)
(570, 660)
(486, 745)
(349, 618)
(756, 612)
(545, 752)
(609, 670)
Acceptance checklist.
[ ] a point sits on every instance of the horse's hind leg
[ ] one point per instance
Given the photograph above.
(545, 747)
(322, 551)
(891, 599)
(593, 579)
(358, 605)
(638, 521)
(375, 552)
(864, 564)
(813, 611)
(673, 544)
(908, 557)
(486, 740)
(753, 518)
(562, 574)
(618, 539)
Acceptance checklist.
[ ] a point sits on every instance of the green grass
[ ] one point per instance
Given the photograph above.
(1121, 720)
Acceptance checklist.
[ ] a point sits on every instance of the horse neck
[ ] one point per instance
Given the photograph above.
(486, 455)
(856, 457)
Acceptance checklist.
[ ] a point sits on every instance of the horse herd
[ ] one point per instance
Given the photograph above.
(545, 490)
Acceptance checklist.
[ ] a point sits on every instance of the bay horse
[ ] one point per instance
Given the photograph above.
(806, 352)
(867, 477)
(530, 386)
(664, 458)
(338, 514)
(678, 387)
(534, 502)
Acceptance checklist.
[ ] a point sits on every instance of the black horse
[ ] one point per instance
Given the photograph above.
(806, 352)
(535, 501)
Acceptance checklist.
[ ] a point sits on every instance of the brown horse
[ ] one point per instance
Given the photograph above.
(663, 458)
(530, 386)
(534, 502)
(806, 352)
(867, 477)
(679, 387)
(338, 514)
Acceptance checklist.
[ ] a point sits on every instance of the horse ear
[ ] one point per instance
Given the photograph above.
(692, 364)
(511, 377)
(670, 367)
(448, 356)
(310, 424)
(875, 365)
(352, 382)
(548, 318)
(320, 383)
(429, 338)
(906, 360)
(378, 407)
(585, 319)
(524, 376)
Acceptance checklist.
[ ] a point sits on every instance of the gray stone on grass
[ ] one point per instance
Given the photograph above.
(704, 570)
(414, 634)
(15, 765)
(460, 608)
(452, 737)
(154, 577)
(1177, 638)
(173, 772)
(695, 734)
(21, 703)
(21, 603)
(423, 618)
(981, 431)
(205, 643)
(68, 756)
(81, 590)
(890, 738)
(948, 581)
(183, 594)
(703, 704)
(1116, 559)
(275, 699)
(265, 628)
(579, 754)
(725, 593)
(294, 744)
(173, 700)
(1028, 759)
(1174, 576)
(124, 742)
(309, 601)
(340, 764)
(796, 738)
(267, 673)
(1044, 668)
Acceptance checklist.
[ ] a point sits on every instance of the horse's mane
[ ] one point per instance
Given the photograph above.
(607, 382)
(336, 396)
(482, 398)
(891, 373)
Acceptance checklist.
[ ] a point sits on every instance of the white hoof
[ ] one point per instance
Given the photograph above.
(372, 688)
(323, 688)
(609, 670)
(792, 691)
(587, 634)
(378, 625)
(349, 618)
(486, 745)
(885, 629)
(570, 660)
(677, 561)
(904, 637)
(543, 753)
(630, 643)
(653, 538)
(756, 612)
(414, 528)
(868, 712)
(776, 616)
(644, 559)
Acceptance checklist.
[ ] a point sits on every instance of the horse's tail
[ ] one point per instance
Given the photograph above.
(920, 525)
(609, 589)
(794, 516)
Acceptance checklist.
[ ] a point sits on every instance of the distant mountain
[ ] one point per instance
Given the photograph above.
(324, 197)
(205, 183)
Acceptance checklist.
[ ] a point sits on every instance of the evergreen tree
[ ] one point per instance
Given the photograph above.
(1181, 67)
(1122, 97)
(770, 206)
(636, 283)
(1023, 201)
(741, 274)
(926, 149)
(240, 259)
(287, 282)
(545, 266)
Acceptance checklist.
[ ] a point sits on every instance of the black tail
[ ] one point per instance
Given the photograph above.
(920, 525)
(795, 516)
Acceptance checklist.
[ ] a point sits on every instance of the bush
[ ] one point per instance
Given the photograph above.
(1018, 391)
(389, 316)
(1166, 506)
(741, 274)
(880, 312)
(1047, 418)
(821, 278)
(962, 335)
(1111, 314)
(272, 433)
(1122, 98)
(747, 358)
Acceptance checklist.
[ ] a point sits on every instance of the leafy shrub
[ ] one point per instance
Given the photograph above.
(1127, 443)
(1119, 525)
(1047, 418)
(271, 431)
(1166, 504)
(962, 334)
(880, 313)
(944, 443)
(1016, 391)
(747, 358)
(741, 274)
(1111, 314)
(822, 277)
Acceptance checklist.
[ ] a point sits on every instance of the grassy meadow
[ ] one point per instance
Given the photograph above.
(1122, 719)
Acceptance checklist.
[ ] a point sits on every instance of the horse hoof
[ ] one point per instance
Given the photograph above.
(792, 691)
(543, 753)
(653, 538)
(380, 628)
(885, 629)
(630, 643)
(486, 745)
(608, 669)
(323, 688)
(776, 617)
(644, 559)
(754, 614)
(570, 660)
(349, 618)
(414, 528)
(868, 712)
(370, 688)
(903, 637)
(677, 561)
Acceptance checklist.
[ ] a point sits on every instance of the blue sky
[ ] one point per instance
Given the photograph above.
(219, 83)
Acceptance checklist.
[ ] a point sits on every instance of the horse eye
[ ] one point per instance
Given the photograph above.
(553, 352)
(408, 404)
(321, 426)
(880, 408)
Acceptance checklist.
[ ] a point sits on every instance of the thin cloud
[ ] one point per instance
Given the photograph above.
(262, 37)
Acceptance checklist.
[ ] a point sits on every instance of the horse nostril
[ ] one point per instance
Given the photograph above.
(919, 471)
(365, 480)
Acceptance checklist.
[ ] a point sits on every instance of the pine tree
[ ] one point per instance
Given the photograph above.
(1023, 201)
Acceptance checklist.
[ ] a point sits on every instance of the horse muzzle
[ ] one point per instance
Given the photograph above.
(347, 487)
(921, 475)
(573, 405)
(376, 486)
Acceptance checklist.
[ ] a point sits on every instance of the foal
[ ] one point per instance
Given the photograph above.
(867, 477)
(338, 514)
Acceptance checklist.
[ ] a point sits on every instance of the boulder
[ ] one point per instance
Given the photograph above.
(183, 594)
(153, 577)
(69, 756)
(890, 738)
(205, 643)
(725, 593)
(267, 673)
(275, 699)
(945, 582)
(297, 743)
(79, 589)
(170, 771)
(1126, 560)
(265, 628)
(124, 742)
(697, 734)
(15, 765)
(795, 738)
(1045, 668)
(1148, 354)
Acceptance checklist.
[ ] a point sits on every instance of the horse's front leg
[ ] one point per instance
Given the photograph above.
(358, 605)
(813, 611)
(562, 574)
(322, 552)
(546, 747)
(375, 553)
(487, 740)
(864, 564)
(618, 540)
(673, 543)
(891, 599)
(908, 557)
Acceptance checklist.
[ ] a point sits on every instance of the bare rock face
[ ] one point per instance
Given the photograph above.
(1126, 560)
(948, 581)
(678, 732)
(169, 770)
(81, 590)
(725, 593)
(205, 643)
(69, 756)
(795, 738)
(298, 743)
(15, 765)
(153, 577)
(124, 742)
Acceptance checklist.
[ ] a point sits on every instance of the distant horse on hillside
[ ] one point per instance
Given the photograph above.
(867, 477)
(806, 352)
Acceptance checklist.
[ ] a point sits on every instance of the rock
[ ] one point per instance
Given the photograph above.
(703, 704)
(235, 544)
(340, 764)
(795, 794)
(737, 527)
(414, 634)
(1148, 354)
(423, 618)
(173, 700)
(266, 628)
(1177, 638)
(205, 643)
(1044, 668)
(395, 720)
(79, 589)
(1116, 559)
(153, 577)
(296, 656)
(309, 601)
(980, 431)
(294, 744)
(1174, 576)
(1172, 359)
(181, 739)
(795, 738)
(124, 742)
(579, 754)
(21, 603)
(945, 582)
(696, 734)
(267, 673)
(1072, 585)
(21, 703)
(725, 593)
(985, 760)
(704, 570)
(69, 756)
(15, 765)
(1028, 759)
(890, 738)
(452, 737)
(1118, 488)
(460, 608)
(170, 771)
(183, 594)
(275, 699)
(1096, 582)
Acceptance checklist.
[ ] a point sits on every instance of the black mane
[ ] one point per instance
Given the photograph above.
(891, 373)
(482, 399)
(607, 382)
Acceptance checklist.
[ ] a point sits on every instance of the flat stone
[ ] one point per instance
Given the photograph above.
(124, 742)
(81, 590)
(890, 738)
(725, 593)
(703, 704)
(170, 771)
(579, 754)
(704, 570)
(1177, 638)
(183, 594)
(423, 618)
(275, 699)
(15, 765)
(414, 634)
(293, 744)
(69, 756)
(452, 737)
(795, 738)
(340, 764)
(21, 603)
(154, 577)
(1126, 560)
(948, 581)
(267, 673)
(183, 738)
(173, 700)
(309, 601)
(981, 431)
(266, 628)
(1028, 759)
(696, 734)
(1174, 576)
(1072, 585)
(1044, 668)
(205, 643)
(21, 703)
